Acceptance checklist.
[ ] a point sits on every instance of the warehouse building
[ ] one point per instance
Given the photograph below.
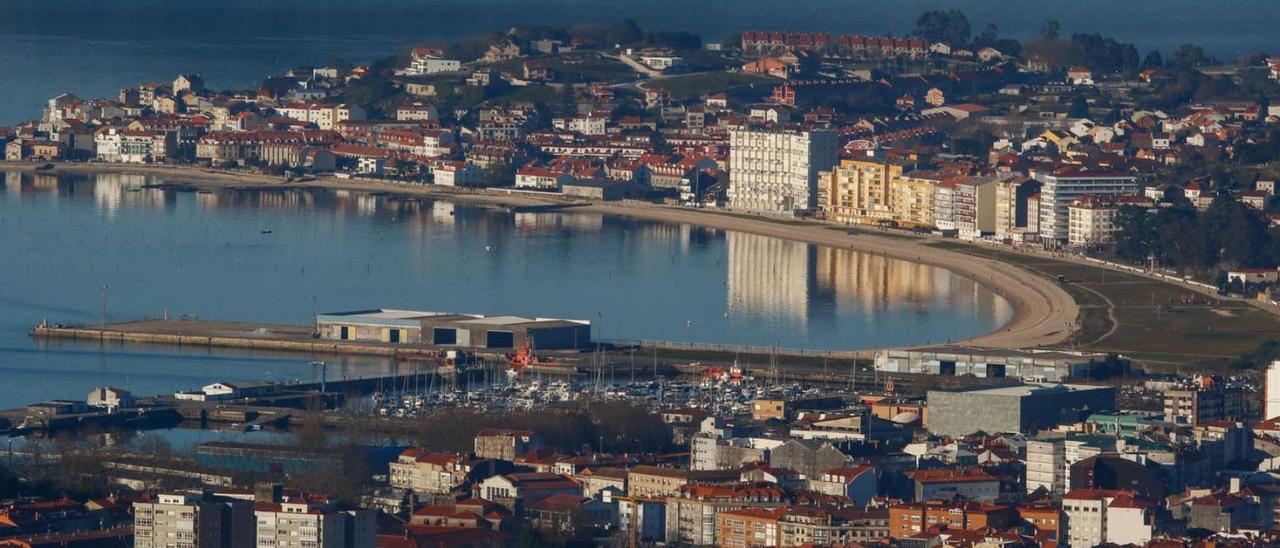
(1015, 407)
(454, 330)
(1034, 365)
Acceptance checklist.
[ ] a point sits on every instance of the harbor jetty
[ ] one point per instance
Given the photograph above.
(226, 334)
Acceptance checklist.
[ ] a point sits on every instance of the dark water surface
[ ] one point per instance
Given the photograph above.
(94, 47)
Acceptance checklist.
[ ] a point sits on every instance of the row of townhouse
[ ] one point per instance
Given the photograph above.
(845, 45)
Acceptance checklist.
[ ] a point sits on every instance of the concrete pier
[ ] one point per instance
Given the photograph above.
(226, 334)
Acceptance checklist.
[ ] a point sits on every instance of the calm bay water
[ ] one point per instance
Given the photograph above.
(93, 48)
(206, 255)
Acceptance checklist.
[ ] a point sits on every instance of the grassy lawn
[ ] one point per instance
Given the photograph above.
(1155, 327)
(698, 85)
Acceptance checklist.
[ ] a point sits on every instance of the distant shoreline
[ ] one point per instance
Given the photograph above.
(1043, 313)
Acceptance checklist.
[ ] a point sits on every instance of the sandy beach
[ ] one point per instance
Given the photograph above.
(1044, 313)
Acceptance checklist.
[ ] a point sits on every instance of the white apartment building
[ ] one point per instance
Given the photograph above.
(189, 520)
(457, 174)
(586, 125)
(1097, 516)
(1046, 466)
(1049, 462)
(417, 112)
(323, 116)
(1271, 408)
(123, 146)
(1091, 219)
(975, 208)
(662, 62)
(776, 171)
(1059, 188)
(310, 524)
(422, 64)
(944, 205)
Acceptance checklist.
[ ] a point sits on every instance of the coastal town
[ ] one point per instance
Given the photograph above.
(1125, 206)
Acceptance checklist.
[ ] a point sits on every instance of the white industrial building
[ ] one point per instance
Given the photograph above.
(1035, 365)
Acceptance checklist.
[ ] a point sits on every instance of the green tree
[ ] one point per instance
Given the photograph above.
(1050, 30)
(951, 27)
(1189, 56)
(1153, 60)
(1133, 235)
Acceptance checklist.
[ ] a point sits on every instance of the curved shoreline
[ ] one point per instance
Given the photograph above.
(1043, 313)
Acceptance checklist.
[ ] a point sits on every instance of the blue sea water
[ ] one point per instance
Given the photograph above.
(94, 47)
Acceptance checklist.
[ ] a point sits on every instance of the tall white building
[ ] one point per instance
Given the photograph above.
(1049, 461)
(1272, 408)
(1059, 188)
(1097, 516)
(301, 523)
(187, 520)
(1092, 218)
(776, 170)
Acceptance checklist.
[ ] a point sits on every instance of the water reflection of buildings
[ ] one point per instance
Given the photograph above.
(113, 190)
(535, 221)
(769, 277)
(799, 283)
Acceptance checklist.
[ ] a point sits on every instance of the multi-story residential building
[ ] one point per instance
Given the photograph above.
(425, 472)
(310, 522)
(800, 526)
(1226, 513)
(712, 452)
(1097, 516)
(857, 191)
(505, 444)
(238, 146)
(324, 116)
(417, 112)
(691, 513)
(1046, 466)
(499, 123)
(1091, 219)
(1208, 402)
(950, 483)
(911, 198)
(185, 520)
(906, 519)
(646, 481)
(541, 178)
(858, 482)
(424, 61)
(944, 205)
(750, 527)
(1045, 518)
(586, 125)
(776, 171)
(459, 173)
(1059, 188)
(975, 207)
(598, 479)
(1049, 460)
(1017, 217)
